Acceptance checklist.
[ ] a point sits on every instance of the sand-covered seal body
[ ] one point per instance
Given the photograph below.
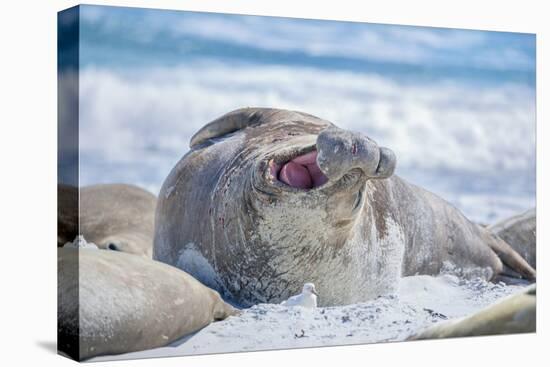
(126, 303)
(515, 314)
(267, 200)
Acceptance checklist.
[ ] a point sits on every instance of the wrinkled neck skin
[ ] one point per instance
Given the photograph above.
(285, 237)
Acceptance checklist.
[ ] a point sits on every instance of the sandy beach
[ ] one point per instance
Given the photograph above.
(420, 302)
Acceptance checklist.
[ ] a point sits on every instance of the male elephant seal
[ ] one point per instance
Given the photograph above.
(124, 303)
(267, 200)
(116, 217)
(520, 232)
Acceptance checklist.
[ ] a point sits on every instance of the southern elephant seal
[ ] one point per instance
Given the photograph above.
(514, 315)
(117, 217)
(520, 232)
(123, 303)
(269, 199)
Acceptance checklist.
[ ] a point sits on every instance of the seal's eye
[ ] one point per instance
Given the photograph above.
(112, 246)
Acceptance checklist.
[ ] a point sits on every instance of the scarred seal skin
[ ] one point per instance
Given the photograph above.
(127, 303)
(250, 214)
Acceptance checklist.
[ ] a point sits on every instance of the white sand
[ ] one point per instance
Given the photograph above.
(420, 302)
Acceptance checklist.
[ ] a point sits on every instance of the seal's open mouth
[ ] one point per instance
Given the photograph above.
(301, 172)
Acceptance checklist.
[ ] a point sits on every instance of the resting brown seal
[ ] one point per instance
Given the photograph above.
(269, 199)
(520, 232)
(67, 214)
(117, 217)
(514, 315)
(123, 303)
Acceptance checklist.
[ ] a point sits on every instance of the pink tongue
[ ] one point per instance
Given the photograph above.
(295, 175)
(303, 172)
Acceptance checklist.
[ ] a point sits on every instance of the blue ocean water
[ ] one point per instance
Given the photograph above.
(118, 37)
(457, 106)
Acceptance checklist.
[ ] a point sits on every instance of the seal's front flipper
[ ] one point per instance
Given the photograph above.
(511, 259)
